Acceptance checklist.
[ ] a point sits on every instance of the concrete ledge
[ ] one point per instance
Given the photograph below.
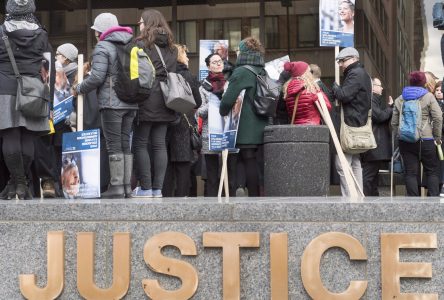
(24, 226)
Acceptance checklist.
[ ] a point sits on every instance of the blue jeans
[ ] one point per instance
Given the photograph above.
(150, 135)
(117, 125)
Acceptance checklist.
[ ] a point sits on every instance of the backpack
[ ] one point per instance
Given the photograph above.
(267, 94)
(136, 73)
(410, 120)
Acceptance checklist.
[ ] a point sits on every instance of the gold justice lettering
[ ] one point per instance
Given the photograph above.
(392, 269)
(230, 243)
(85, 267)
(56, 271)
(311, 261)
(170, 266)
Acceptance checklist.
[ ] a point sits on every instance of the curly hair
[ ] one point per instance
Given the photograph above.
(154, 23)
(254, 44)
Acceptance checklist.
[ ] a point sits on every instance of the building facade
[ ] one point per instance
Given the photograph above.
(388, 34)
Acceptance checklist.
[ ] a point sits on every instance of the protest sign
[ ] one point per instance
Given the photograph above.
(336, 22)
(80, 174)
(206, 48)
(275, 67)
(63, 99)
(223, 130)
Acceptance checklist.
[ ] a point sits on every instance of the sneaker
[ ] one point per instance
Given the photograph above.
(157, 193)
(138, 192)
(48, 189)
(442, 192)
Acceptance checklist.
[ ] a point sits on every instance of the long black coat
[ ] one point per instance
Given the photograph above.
(153, 109)
(179, 134)
(381, 116)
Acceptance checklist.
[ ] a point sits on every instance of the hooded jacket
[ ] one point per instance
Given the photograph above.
(430, 110)
(153, 109)
(104, 69)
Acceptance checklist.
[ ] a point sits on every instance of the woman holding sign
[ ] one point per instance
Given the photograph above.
(250, 134)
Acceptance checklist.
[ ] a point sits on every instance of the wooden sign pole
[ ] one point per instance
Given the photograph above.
(80, 96)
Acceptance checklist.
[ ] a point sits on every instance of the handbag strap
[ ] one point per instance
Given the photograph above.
(161, 58)
(296, 101)
(10, 54)
(186, 118)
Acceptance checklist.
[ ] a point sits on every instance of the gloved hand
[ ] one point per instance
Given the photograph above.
(335, 88)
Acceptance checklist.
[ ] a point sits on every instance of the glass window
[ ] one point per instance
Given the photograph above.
(224, 30)
(187, 34)
(308, 31)
(271, 32)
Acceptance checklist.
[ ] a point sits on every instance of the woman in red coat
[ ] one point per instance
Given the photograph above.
(303, 84)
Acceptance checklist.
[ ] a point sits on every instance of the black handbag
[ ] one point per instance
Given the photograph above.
(32, 96)
(195, 138)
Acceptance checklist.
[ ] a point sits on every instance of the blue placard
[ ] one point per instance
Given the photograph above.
(222, 131)
(62, 110)
(80, 173)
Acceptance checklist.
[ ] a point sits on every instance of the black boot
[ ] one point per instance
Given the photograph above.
(9, 192)
(15, 165)
(116, 170)
(128, 158)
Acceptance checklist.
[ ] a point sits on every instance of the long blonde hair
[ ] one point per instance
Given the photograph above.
(310, 85)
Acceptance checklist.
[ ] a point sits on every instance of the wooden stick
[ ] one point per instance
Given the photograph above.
(223, 177)
(322, 107)
(80, 96)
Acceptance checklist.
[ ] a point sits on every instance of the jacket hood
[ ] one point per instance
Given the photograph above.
(161, 39)
(117, 34)
(413, 92)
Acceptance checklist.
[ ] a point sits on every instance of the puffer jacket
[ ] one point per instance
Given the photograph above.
(306, 112)
(355, 95)
(430, 110)
(153, 109)
(104, 69)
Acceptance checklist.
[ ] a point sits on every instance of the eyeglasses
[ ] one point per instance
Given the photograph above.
(217, 62)
(377, 84)
(343, 60)
(140, 23)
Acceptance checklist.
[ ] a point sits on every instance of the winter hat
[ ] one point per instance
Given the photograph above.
(104, 21)
(347, 52)
(69, 51)
(20, 7)
(296, 68)
(417, 78)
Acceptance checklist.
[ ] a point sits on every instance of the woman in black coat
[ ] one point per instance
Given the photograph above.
(181, 155)
(154, 116)
(29, 41)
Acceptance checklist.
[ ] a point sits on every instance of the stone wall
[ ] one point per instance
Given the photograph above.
(24, 226)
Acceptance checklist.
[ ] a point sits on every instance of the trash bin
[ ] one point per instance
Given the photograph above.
(296, 160)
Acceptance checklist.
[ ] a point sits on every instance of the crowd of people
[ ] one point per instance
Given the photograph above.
(146, 149)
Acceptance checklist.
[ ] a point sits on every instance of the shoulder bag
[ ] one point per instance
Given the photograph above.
(355, 140)
(176, 90)
(195, 138)
(32, 96)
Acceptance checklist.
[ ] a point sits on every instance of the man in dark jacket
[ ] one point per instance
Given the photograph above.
(354, 95)
(372, 159)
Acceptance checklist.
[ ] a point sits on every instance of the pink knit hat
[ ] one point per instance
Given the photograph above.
(296, 68)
